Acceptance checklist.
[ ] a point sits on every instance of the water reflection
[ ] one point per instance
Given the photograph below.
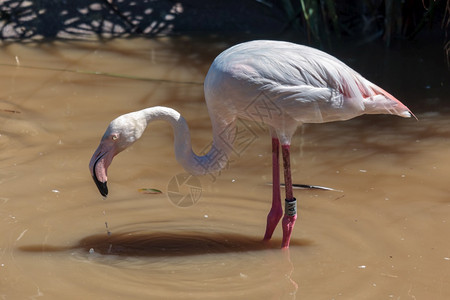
(157, 244)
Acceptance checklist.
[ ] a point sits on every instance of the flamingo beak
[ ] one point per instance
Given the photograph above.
(100, 161)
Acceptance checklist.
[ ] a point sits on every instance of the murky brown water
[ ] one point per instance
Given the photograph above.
(385, 236)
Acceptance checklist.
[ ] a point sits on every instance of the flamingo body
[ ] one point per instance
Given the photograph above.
(302, 84)
(280, 84)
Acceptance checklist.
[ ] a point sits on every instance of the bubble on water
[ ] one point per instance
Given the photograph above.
(361, 267)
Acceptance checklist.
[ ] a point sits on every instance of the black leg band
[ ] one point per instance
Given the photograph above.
(290, 208)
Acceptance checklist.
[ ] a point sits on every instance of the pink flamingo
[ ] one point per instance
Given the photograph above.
(280, 84)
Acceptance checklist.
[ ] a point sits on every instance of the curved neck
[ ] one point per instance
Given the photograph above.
(213, 161)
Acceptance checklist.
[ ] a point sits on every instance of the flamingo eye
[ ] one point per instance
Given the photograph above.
(114, 137)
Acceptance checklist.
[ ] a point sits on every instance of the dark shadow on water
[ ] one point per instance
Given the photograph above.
(166, 244)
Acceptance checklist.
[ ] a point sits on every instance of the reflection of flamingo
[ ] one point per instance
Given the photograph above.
(280, 84)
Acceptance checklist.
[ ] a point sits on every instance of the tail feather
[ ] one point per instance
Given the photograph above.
(378, 100)
(371, 98)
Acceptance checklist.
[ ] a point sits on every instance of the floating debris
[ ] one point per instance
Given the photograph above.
(10, 111)
(149, 191)
(307, 186)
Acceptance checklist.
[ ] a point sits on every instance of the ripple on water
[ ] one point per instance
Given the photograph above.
(191, 256)
(176, 263)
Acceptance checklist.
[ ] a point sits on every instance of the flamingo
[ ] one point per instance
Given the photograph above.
(279, 84)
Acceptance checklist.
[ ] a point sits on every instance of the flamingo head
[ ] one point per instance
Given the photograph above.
(120, 134)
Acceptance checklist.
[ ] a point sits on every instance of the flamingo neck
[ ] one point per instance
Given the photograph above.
(213, 161)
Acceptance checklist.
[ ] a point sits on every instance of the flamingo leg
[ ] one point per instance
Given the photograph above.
(276, 211)
(290, 211)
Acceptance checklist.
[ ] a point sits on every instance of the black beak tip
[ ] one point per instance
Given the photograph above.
(102, 187)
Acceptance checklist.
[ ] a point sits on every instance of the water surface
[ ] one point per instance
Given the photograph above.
(383, 236)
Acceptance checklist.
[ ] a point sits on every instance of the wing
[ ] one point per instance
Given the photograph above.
(309, 85)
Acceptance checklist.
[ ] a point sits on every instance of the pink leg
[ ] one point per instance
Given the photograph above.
(290, 212)
(276, 211)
